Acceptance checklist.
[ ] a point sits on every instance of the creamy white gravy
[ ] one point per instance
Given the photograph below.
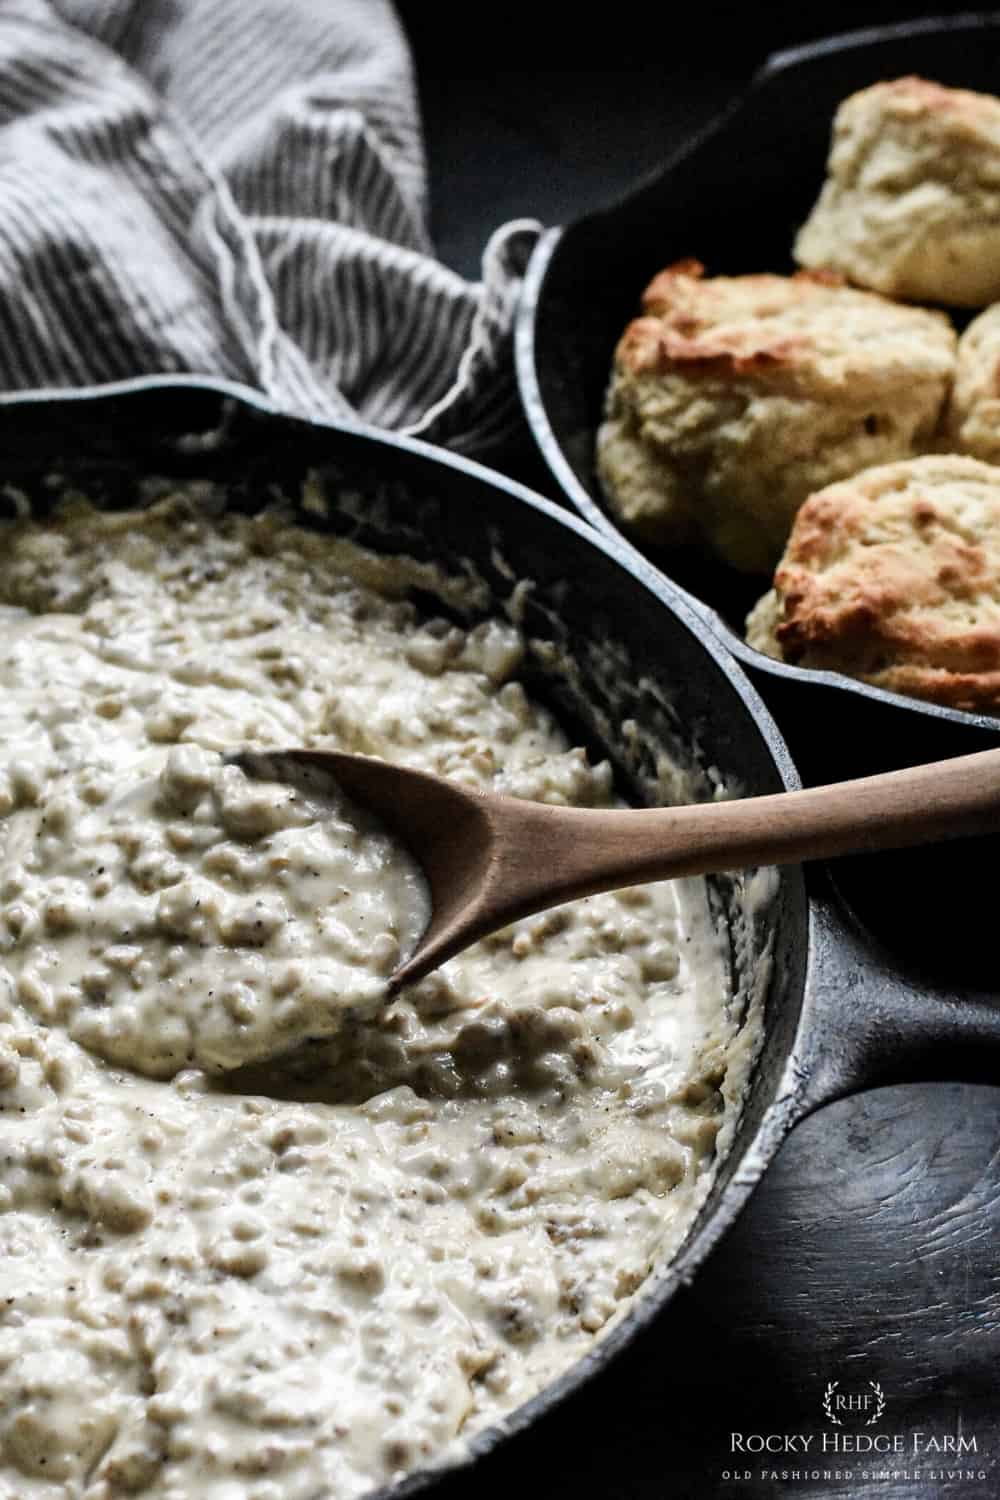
(238, 1279)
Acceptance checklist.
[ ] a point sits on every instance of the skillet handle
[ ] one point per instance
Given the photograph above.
(868, 1023)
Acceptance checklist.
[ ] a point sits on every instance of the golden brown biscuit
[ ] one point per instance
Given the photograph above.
(973, 420)
(735, 397)
(911, 202)
(894, 577)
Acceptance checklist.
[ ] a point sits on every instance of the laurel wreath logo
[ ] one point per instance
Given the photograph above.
(836, 1421)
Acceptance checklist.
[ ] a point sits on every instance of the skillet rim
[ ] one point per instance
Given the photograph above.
(614, 546)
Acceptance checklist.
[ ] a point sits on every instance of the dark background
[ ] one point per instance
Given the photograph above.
(546, 110)
(870, 1251)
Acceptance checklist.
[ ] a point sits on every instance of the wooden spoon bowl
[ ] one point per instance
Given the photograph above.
(489, 860)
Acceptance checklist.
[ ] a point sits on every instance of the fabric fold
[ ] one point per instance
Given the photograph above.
(236, 188)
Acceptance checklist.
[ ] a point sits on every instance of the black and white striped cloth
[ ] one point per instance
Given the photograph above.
(236, 188)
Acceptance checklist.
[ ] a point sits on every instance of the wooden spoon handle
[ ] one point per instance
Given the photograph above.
(578, 852)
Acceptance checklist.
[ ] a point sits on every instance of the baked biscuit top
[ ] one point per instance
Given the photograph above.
(911, 202)
(809, 334)
(966, 113)
(894, 577)
(734, 398)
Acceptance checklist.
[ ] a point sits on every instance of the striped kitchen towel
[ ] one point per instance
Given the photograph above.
(237, 188)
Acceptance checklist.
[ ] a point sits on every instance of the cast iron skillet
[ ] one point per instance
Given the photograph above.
(733, 198)
(838, 1016)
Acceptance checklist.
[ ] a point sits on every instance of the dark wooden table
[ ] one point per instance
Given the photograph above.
(870, 1251)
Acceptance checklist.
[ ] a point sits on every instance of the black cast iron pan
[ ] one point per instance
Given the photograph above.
(733, 197)
(838, 1015)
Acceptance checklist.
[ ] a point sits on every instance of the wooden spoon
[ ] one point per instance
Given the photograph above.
(489, 859)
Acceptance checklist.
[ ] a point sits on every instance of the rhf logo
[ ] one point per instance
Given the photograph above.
(859, 1408)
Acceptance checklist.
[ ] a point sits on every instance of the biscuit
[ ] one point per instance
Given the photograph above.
(893, 577)
(734, 397)
(911, 202)
(973, 419)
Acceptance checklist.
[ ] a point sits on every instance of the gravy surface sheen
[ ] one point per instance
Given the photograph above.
(262, 1235)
